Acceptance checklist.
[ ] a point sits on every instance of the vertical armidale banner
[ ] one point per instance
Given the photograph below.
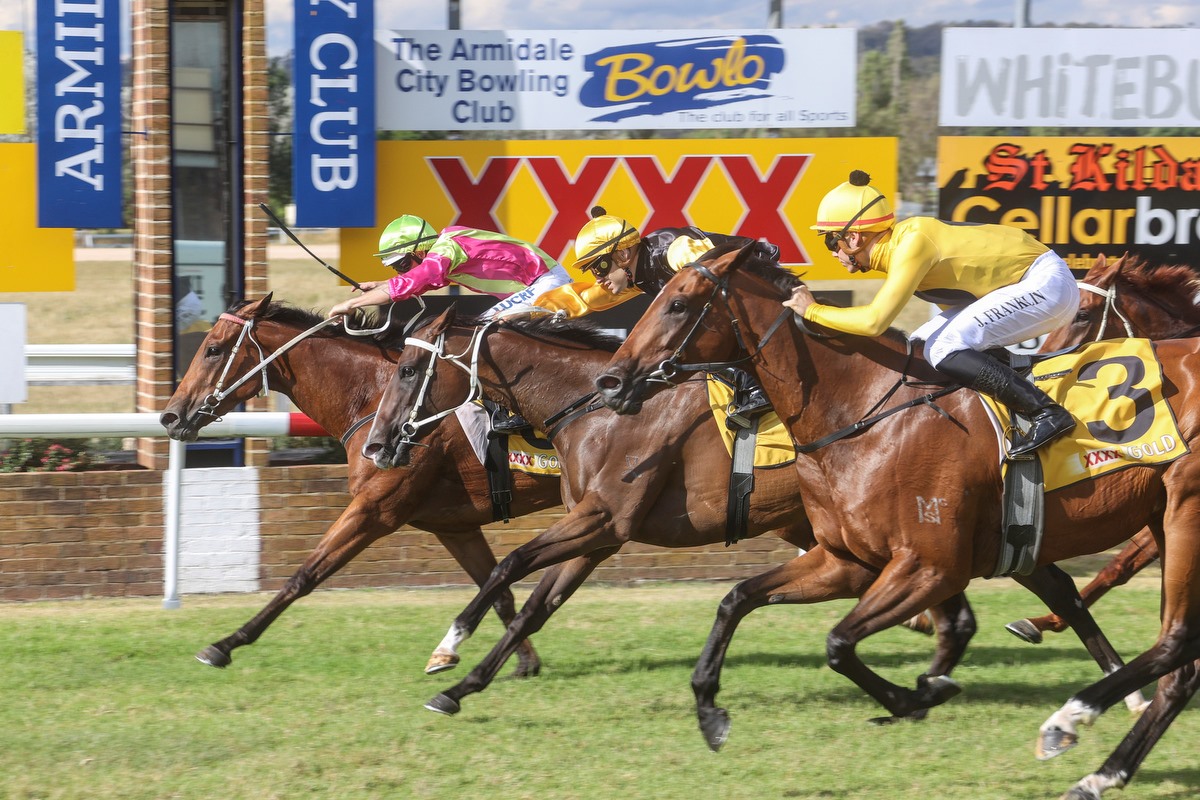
(616, 80)
(1071, 77)
(79, 114)
(542, 191)
(333, 148)
(1082, 196)
(12, 82)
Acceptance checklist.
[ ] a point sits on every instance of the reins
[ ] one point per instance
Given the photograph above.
(410, 428)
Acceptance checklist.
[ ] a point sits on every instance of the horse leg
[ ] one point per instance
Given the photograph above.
(1174, 691)
(557, 585)
(587, 527)
(1056, 589)
(812, 577)
(474, 555)
(358, 525)
(903, 588)
(1179, 636)
(954, 622)
(1136, 556)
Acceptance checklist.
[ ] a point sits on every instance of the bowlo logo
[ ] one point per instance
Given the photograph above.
(680, 75)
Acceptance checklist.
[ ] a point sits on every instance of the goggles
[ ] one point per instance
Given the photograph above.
(833, 237)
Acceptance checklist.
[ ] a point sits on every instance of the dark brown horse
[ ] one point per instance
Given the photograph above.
(660, 478)
(901, 523)
(1128, 297)
(337, 380)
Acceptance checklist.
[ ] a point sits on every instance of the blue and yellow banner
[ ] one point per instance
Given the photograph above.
(79, 114)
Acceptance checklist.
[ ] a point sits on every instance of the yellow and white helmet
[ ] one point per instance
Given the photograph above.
(404, 235)
(599, 239)
(854, 206)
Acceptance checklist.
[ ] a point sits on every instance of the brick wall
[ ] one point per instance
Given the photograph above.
(100, 534)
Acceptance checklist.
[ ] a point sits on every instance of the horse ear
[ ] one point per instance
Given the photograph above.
(443, 320)
(258, 307)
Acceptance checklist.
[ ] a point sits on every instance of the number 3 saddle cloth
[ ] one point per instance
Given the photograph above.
(1114, 390)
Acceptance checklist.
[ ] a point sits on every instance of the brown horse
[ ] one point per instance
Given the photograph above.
(1128, 297)
(337, 380)
(660, 478)
(899, 522)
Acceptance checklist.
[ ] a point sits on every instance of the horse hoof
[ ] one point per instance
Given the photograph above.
(1026, 630)
(715, 724)
(444, 705)
(921, 623)
(440, 662)
(881, 721)
(214, 657)
(528, 672)
(1054, 742)
(1080, 793)
(936, 689)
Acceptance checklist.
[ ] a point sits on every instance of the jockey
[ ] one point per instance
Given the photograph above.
(627, 264)
(996, 284)
(514, 271)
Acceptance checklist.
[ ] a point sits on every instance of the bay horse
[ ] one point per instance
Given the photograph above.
(661, 478)
(337, 380)
(906, 511)
(1128, 297)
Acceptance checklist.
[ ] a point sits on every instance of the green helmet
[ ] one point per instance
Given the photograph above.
(404, 235)
(854, 206)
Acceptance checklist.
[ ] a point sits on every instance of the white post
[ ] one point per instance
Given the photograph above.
(171, 514)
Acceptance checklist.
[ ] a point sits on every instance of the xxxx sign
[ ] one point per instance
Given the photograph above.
(542, 191)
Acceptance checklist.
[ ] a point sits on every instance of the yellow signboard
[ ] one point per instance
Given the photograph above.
(12, 83)
(32, 259)
(542, 191)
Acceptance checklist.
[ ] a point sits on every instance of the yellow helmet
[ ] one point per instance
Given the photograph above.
(854, 206)
(404, 235)
(599, 238)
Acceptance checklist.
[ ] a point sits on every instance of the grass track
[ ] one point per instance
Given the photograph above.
(103, 700)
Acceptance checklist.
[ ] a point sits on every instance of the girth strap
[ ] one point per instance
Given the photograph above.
(741, 483)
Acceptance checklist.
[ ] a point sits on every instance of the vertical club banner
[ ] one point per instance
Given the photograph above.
(541, 191)
(334, 137)
(79, 114)
(1082, 196)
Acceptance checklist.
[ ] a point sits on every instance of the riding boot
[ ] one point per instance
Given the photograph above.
(506, 423)
(750, 401)
(983, 373)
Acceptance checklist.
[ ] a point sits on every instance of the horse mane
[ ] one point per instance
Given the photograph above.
(285, 313)
(1174, 286)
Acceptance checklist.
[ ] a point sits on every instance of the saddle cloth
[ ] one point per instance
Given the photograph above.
(773, 447)
(535, 456)
(1114, 390)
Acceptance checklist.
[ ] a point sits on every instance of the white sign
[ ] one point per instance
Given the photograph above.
(615, 80)
(12, 353)
(1070, 77)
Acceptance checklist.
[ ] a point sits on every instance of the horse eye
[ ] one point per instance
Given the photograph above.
(1083, 315)
(212, 351)
(407, 372)
(677, 307)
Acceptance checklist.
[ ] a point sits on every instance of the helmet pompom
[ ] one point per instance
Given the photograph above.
(598, 211)
(859, 178)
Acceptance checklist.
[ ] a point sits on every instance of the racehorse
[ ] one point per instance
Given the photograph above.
(337, 380)
(1129, 297)
(906, 510)
(660, 478)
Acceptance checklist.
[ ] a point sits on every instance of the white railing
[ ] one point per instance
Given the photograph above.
(80, 364)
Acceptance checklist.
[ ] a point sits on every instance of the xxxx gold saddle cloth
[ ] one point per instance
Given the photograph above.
(1114, 391)
(530, 454)
(773, 446)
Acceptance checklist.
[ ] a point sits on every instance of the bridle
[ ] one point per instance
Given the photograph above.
(671, 367)
(437, 350)
(208, 407)
(1110, 306)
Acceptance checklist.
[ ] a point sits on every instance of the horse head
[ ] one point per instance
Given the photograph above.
(691, 320)
(205, 392)
(410, 393)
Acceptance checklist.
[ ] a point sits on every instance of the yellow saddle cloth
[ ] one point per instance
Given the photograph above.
(1113, 389)
(774, 445)
(526, 454)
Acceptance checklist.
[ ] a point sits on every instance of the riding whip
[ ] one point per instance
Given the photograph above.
(266, 209)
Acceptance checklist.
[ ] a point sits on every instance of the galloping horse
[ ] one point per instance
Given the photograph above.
(1128, 297)
(899, 522)
(661, 478)
(337, 380)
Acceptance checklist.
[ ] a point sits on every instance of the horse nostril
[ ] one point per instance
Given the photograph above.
(370, 449)
(168, 419)
(608, 383)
